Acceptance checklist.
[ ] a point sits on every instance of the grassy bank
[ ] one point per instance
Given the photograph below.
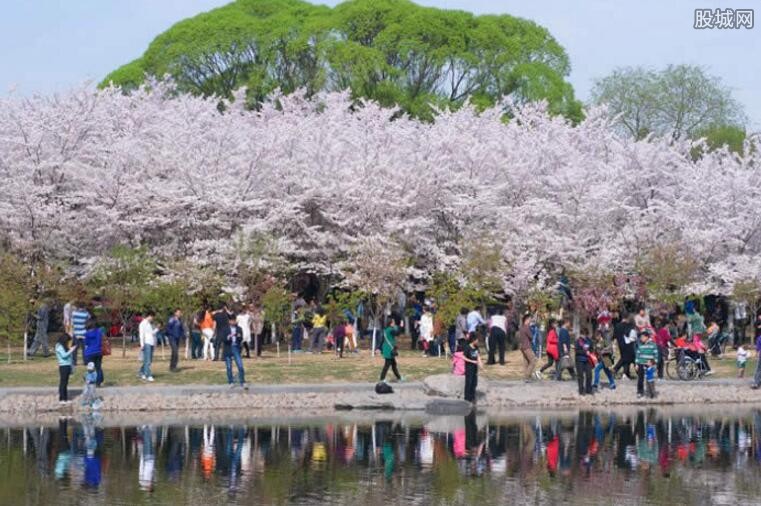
(270, 369)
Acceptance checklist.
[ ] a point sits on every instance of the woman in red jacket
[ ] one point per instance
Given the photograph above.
(552, 346)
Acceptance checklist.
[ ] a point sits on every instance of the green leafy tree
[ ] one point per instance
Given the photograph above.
(122, 278)
(680, 100)
(277, 308)
(392, 51)
(16, 290)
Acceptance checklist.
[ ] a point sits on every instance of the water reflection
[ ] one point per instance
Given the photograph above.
(587, 457)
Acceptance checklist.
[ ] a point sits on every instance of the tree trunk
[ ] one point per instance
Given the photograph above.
(124, 343)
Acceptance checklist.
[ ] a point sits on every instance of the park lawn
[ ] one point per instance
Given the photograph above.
(271, 369)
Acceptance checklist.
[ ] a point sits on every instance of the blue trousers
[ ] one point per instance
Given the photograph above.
(601, 367)
(234, 353)
(145, 369)
(296, 336)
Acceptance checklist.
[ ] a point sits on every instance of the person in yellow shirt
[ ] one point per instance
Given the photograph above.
(319, 329)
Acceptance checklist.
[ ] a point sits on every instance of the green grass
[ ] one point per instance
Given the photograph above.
(303, 368)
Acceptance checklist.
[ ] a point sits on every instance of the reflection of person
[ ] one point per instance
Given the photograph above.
(207, 452)
(92, 459)
(147, 459)
(63, 459)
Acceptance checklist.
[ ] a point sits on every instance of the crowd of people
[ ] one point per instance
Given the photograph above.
(612, 344)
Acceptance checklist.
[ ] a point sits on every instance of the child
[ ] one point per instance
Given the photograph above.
(88, 397)
(650, 373)
(458, 360)
(742, 358)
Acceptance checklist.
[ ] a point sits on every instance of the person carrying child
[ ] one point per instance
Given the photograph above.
(650, 374)
(646, 352)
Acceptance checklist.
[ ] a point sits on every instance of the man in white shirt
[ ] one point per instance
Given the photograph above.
(497, 336)
(147, 342)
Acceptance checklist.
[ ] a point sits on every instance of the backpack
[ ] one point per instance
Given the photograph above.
(383, 388)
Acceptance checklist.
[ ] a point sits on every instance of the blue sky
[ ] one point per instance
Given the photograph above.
(50, 45)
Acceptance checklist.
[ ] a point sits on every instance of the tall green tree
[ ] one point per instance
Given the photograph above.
(392, 51)
(680, 101)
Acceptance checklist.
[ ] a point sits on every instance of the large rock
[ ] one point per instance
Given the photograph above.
(451, 386)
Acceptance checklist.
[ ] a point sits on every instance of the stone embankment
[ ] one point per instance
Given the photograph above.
(438, 395)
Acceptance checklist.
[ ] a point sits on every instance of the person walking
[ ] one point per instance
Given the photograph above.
(603, 350)
(244, 322)
(206, 323)
(584, 363)
(64, 356)
(646, 351)
(564, 351)
(389, 350)
(626, 338)
(232, 341)
(497, 337)
(147, 343)
(42, 318)
(524, 339)
(339, 336)
(552, 346)
(94, 349)
(175, 331)
(79, 319)
(297, 330)
(426, 330)
(662, 340)
(319, 330)
(257, 329)
(472, 364)
(221, 328)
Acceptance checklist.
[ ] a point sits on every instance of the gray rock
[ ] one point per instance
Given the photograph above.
(451, 386)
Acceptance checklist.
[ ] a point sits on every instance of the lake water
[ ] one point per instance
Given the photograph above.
(599, 457)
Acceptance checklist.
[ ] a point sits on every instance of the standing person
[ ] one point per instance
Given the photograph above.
(257, 329)
(524, 338)
(206, 324)
(42, 317)
(68, 309)
(175, 331)
(584, 360)
(564, 350)
(604, 319)
(319, 329)
(552, 346)
(646, 351)
(512, 323)
(603, 350)
(221, 328)
(244, 322)
(297, 332)
(742, 358)
(662, 340)
(757, 375)
(339, 336)
(232, 340)
(497, 336)
(389, 350)
(79, 319)
(94, 349)
(472, 363)
(626, 337)
(650, 373)
(91, 378)
(147, 342)
(64, 355)
(474, 320)
(426, 329)
(642, 320)
(461, 325)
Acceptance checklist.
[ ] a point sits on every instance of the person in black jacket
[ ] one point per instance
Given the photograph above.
(583, 365)
(626, 337)
(472, 363)
(231, 343)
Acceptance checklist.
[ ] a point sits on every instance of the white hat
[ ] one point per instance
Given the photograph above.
(91, 366)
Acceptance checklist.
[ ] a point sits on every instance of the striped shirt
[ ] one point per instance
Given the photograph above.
(79, 321)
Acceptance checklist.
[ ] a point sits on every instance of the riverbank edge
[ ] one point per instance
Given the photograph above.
(413, 396)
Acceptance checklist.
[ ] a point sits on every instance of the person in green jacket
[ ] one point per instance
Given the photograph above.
(646, 351)
(388, 349)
